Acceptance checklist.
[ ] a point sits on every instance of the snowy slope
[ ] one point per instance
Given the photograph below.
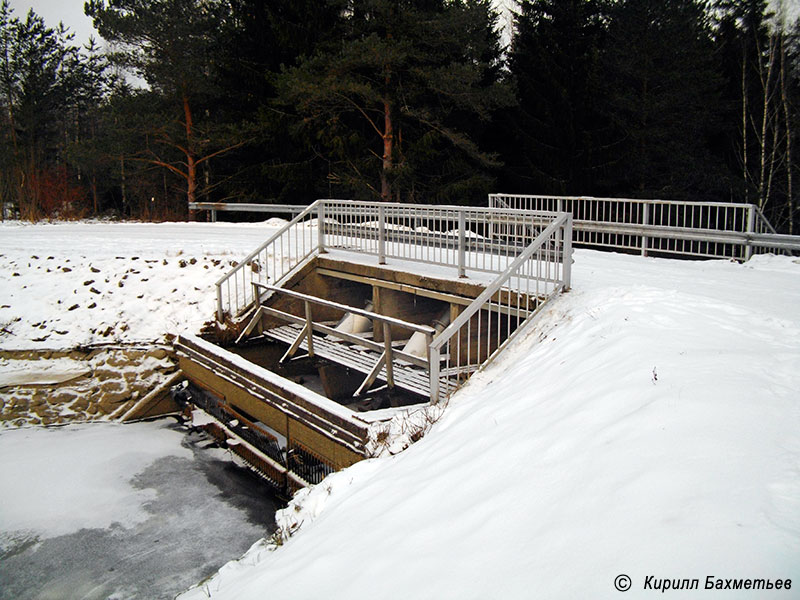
(648, 425)
(67, 284)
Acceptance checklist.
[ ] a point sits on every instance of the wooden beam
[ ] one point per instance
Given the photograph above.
(400, 287)
(418, 291)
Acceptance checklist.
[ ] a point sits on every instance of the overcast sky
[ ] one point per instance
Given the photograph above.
(70, 12)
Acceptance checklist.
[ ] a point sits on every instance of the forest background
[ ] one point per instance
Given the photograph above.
(398, 100)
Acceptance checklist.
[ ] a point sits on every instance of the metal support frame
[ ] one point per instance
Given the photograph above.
(532, 259)
(751, 226)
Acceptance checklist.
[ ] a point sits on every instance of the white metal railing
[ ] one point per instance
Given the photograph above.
(272, 261)
(466, 238)
(531, 253)
(476, 336)
(703, 229)
(463, 238)
(387, 355)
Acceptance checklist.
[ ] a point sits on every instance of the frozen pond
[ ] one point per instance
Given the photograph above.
(112, 511)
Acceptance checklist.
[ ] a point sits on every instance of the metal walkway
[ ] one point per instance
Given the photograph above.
(408, 377)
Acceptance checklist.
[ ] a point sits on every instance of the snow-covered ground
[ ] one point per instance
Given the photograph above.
(68, 284)
(647, 425)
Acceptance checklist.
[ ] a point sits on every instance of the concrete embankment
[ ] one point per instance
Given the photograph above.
(49, 387)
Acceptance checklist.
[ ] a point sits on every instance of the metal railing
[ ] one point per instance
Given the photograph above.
(272, 261)
(531, 253)
(466, 239)
(483, 329)
(386, 353)
(702, 229)
(214, 207)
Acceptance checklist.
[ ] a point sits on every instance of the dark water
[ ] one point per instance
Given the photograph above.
(207, 511)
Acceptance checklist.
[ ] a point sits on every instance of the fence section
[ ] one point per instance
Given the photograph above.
(529, 251)
(474, 338)
(462, 238)
(272, 261)
(702, 229)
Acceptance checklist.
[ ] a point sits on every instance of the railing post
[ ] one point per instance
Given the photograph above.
(387, 344)
(433, 368)
(462, 249)
(567, 269)
(321, 227)
(645, 222)
(220, 313)
(213, 215)
(751, 226)
(309, 328)
(382, 236)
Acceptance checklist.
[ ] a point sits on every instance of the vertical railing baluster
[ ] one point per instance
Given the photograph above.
(381, 235)
(462, 249)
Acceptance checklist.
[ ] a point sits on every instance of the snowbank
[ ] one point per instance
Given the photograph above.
(68, 284)
(648, 425)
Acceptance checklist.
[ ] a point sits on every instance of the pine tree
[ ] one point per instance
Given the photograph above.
(663, 89)
(169, 43)
(558, 131)
(394, 107)
(35, 93)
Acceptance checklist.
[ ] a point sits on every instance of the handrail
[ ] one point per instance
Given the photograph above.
(528, 251)
(630, 200)
(699, 229)
(262, 248)
(465, 238)
(495, 286)
(551, 234)
(344, 307)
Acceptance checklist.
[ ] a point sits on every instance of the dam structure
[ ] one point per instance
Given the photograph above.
(355, 311)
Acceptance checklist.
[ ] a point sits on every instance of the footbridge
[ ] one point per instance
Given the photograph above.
(352, 312)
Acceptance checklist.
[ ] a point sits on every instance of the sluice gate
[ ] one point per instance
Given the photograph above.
(353, 312)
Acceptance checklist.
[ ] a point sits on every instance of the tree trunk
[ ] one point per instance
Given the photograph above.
(191, 160)
(388, 139)
(744, 122)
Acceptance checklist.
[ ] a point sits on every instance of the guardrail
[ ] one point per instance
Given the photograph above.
(274, 259)
(701, 229)
(483, 329)
(474, 239)
(531, 253)
(214, 207)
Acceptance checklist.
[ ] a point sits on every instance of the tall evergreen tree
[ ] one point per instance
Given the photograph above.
(663, 88)
(395, 106)
(170, 44)
(35, 93)
(557, 132)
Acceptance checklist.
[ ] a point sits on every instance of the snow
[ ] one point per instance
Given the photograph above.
(71, 284)
(21, 372)
(62, 480)
(647, 424)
